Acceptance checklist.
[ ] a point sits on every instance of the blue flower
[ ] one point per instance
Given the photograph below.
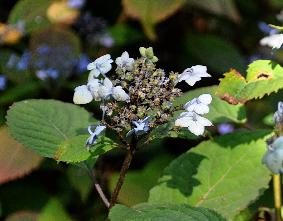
(94, 135)
(24, 61)
(3, 82)
(76, 4)
(82, 63)
(47, 73)
(141, 127)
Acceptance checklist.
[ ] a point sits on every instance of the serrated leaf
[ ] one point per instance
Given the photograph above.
(219, 110)
(224, 174)
(54, 211)
(215, 52)
(42, 125)
(263, 77)
(164, 212)
(32, 13)
(15, 160)
(150, 12)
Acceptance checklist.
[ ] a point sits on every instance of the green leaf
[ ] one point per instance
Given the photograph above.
(74, 150)
(263, 77)
(15, 160)
(139, 182)
(219, 110)
(54, 211)
(151, 12)
(218, 7)
(217, 53)
(42, 125)
(164, 212)
(224, 174)
(32, 13)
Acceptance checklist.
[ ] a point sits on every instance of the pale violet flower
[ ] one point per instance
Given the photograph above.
(195, 123)
(101, 65)
(82, 95)
(93, 86)
(273, 41)
(225, 128)
(94, 135)
(76, 4)
(141, 127)
(193, 74)
(199, 105)
(119, 94)
(125, 61)
(106, 90)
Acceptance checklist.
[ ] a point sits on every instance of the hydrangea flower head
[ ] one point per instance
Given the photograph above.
(101, 65)
(82, 95)
(193, 74)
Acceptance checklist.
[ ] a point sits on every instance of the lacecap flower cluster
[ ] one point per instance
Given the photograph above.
(139, 96)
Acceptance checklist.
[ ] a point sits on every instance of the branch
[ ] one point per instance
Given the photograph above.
(98, 187)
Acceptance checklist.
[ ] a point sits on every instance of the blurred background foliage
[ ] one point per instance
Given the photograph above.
(45, 46)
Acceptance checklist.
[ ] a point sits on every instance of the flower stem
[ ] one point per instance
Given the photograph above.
(123, 172)
(98, 187)
(277, 196)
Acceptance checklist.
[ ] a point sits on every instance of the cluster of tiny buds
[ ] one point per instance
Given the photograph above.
(140, 96)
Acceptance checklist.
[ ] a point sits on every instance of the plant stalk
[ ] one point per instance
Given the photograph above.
(277, 196)
(123, 172)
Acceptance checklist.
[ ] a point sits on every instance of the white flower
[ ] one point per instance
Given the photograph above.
(274, 41)
(105, 89)
(199, 105)
(82, 95)
(141, 127)
(94, 135)
(193, 74)
(93, 86)
(193, 122)
(119, 94)
(125, 61)
(101, 65)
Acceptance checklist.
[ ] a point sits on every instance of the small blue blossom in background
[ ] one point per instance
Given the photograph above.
(225, 128)
(266, 29)
(24, 61)
(82, 63)
(48, 73)
(3, 82)
(77, 4)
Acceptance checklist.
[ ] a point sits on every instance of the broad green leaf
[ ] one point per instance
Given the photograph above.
(32, 13)
(74, 150)
(263, 77)
(215, 52)
(224, 174)
(15, 160)
(139, 182)
(42, 125)
(164, 212)
(218, 7)
(219, 110)
(54, 211)
(151, 12)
